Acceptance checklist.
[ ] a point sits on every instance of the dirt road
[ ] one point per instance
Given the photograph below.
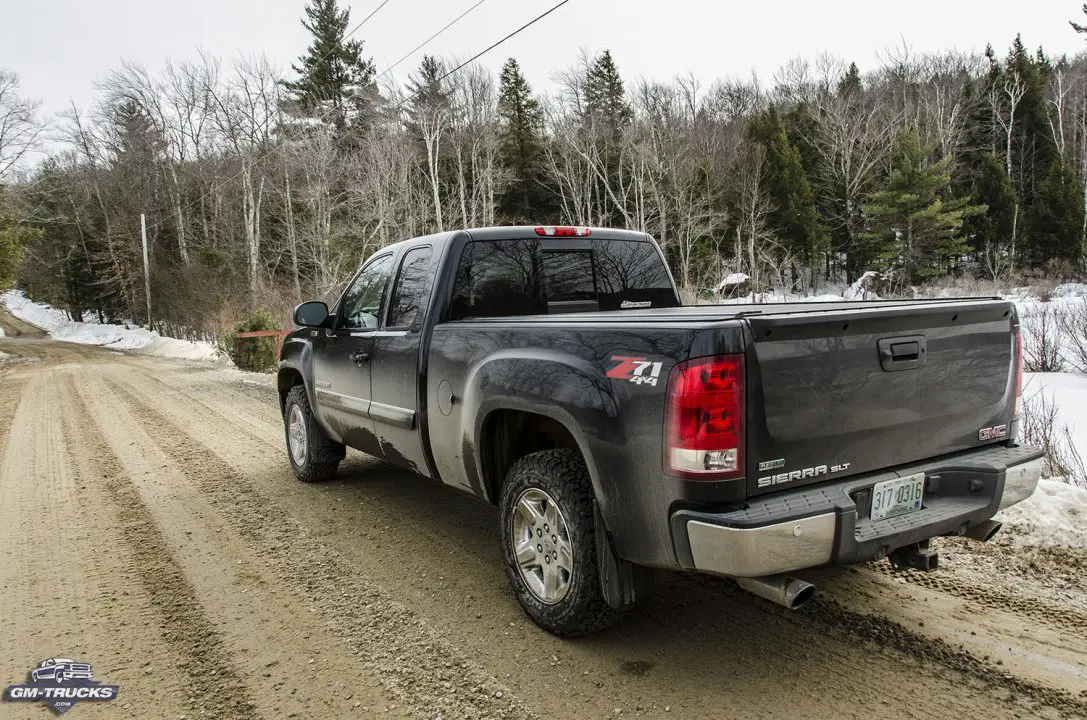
(149, 524)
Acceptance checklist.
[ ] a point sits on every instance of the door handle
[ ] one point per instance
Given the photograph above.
(360, 357)
(902, 353)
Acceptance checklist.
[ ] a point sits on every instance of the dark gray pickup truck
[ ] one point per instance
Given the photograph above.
(553, 371)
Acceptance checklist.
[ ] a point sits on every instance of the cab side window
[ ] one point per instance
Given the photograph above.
(361, 306)
(411, 289)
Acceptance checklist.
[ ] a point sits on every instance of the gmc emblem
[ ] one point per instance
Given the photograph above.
(992, 433)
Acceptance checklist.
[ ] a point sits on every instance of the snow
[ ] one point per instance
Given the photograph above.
(859, 290)
(116, 337)
(1070, 290)
(1056, 514)
(1, 332)
(1068, 392)
(732, 279)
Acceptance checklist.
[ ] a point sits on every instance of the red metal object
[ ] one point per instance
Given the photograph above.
(277, 334)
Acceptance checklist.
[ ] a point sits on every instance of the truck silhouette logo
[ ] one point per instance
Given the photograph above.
(61, 669)
(61, 683)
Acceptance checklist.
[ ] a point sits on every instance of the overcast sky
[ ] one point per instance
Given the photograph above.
(60, 48)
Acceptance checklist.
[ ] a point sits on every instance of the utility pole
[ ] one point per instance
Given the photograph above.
(146, 269)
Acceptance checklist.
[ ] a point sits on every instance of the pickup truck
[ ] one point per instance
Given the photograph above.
(60, 669)
(554, 372)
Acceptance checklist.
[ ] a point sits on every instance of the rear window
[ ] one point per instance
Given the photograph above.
(499, 278)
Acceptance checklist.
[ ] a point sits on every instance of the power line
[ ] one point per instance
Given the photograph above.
(324, 57)
(401, 104)
(426, 42)
(524, 27)
(486, 50)
(374, 12)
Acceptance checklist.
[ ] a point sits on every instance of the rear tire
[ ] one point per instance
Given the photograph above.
(552, 489)
(314, 456)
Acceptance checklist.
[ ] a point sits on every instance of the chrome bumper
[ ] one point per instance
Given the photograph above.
(836, 535)
(1020, 482)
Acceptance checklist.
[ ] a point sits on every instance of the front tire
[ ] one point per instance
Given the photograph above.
(549, 544)
(313, 454)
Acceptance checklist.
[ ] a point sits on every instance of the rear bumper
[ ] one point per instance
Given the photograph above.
(829, 525)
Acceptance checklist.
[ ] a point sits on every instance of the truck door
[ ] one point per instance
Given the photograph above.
(394, 363)
(341, 368)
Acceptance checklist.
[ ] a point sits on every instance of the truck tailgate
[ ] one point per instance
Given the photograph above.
(846, 391)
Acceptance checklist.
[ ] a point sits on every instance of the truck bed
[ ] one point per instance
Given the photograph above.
(720, 312)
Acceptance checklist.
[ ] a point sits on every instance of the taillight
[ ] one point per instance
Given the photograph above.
(563, 231)
(704, 419)
(1018, 360)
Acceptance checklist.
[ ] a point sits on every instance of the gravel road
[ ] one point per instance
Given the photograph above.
(149, 524)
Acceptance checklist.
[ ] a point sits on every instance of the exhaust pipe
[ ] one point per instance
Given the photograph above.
(784, 590)
(983, 532)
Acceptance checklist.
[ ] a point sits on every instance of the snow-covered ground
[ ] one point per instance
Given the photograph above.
(1057, 513)
(118, 337)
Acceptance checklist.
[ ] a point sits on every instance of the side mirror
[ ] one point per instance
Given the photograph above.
(311, 314)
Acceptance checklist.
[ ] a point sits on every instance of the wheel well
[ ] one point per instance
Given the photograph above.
(509, 435)
(287, 379)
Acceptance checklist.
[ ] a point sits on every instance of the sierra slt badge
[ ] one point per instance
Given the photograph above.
(806, 473)
(61, 683)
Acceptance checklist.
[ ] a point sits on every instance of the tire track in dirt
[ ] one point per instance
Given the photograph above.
(1005, 642)
(214, 688)
(66, 587)
(254, 425)
(839, 620)
(751, 626)
(418, 666)
(251, 636)
(1045, 613)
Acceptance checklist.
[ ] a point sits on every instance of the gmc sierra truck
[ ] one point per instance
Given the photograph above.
(554, 372)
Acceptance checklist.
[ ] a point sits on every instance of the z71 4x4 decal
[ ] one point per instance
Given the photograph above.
(638, 370)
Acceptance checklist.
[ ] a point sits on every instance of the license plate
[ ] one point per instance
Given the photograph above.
(900, 496)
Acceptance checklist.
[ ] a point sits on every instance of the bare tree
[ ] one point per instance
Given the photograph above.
(1012, 89)
(853, 132)
(246, 114)
(20, 128)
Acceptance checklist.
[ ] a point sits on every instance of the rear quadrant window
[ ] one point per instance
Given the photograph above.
(503, 278)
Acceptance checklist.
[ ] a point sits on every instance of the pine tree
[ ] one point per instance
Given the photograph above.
(1076, 26)
(334, 81)
(850, 84)
(14, 238)
(993, 189)
(914, 230)
(1055, 219)
(520, 149)
(795, 218)
(605, 99)
(428, 93)
(605, 116)
(1032, 147)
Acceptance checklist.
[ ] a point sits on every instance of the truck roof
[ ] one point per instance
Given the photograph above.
(511, 232)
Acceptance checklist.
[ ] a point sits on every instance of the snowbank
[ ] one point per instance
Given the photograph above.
(1055, 515)
(1057, 512)
(117, 337)
(731, 280)
(861, 289)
